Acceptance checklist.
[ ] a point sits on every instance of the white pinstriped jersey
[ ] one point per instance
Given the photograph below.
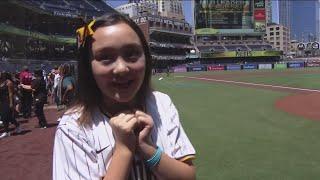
(85, 153)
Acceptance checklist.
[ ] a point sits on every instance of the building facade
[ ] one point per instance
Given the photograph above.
(279, 37)
(169, 37)
(167, 8)
(304, 25)
(171, 9)
(285, 13)
(318, 20)
(135, 9)
(269, 11)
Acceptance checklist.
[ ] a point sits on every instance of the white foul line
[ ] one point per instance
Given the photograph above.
(252, 84)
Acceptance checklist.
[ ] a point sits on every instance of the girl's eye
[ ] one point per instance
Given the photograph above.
(132, 55)
(105, 59)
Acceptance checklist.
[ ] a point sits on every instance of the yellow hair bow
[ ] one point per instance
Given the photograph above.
(84, 32)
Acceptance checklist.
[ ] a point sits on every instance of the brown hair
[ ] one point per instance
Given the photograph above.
(89, 95)
(67, 69)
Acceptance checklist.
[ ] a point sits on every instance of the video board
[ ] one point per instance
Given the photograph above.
(223, 14)
(230, 14)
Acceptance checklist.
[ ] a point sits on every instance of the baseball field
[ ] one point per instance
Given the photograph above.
(258, 124)
(244, 125)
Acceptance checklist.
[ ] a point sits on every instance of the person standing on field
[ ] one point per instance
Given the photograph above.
(26, 95)
(119, 128)
(38, 87)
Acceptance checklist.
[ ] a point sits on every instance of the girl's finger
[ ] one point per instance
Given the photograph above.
(132, 124)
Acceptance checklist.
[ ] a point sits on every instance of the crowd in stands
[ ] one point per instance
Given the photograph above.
(27, 48)
(22, 92)
(236, 47)
(90, 7)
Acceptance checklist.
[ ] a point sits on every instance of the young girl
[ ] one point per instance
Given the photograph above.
(119, 128)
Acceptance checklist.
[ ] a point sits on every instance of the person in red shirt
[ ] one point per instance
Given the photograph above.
(26, 99)
(38, 87)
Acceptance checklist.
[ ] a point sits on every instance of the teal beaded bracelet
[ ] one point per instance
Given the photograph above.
(155, 159)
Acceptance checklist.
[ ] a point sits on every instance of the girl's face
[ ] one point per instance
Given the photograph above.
(118, 64)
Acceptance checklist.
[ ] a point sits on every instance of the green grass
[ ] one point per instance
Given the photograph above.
(238, 134)
(300, 78)
(304, 80)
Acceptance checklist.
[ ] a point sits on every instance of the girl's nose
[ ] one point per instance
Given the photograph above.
(121, 67)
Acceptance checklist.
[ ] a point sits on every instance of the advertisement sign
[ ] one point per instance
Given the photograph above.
(280, 66)
(65, 14)
(206, 31)
(192, 56)
(260, 26)
(196, 68)
(233, 67)
(315, 45)
(309, 45)
(249, 66)
(265, 66)
(259, 3)
(215, 68)
(223, 14)
(313, 64)
(234, 54)
(296, 65)
(259, 15)
(180, 69)
(301, 46)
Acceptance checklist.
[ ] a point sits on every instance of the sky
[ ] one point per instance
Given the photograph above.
(188, 12)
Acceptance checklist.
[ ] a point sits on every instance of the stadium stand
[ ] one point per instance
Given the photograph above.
(238, 47)
(81, 5)
(205, 48)
(44, 30)
(260, 47)
(98, 5)
(218, 48)
(169, 48)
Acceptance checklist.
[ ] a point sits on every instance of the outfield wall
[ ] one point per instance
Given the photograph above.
(252, 66)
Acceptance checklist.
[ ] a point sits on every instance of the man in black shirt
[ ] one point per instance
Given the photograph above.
(38, 87)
